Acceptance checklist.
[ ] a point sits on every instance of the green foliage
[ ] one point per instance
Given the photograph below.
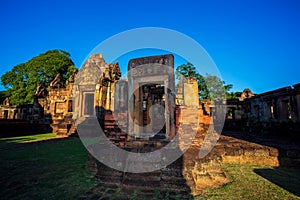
(21, 82)
(233, 95)
(2, 96)
(187, 70)
(209, 87)
(216, 87)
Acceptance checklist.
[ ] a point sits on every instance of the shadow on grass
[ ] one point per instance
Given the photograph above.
(287, 178)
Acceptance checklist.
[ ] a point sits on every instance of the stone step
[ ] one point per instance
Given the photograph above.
(109, 118)
(101, 191)
(116, 133)
(142, 181)
(110, 123)
(172, 181)
(109, 179)
(137, 183)
(112, 129)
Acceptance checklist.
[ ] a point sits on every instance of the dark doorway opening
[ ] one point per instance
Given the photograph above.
(153, 95)
(89, 104)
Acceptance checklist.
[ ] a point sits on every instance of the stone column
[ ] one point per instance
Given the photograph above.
(107, 103)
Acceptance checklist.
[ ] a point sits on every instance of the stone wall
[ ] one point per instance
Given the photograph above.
(8, 112)
(275, 111)
(17, 127)
(59, 110)
(54, 105)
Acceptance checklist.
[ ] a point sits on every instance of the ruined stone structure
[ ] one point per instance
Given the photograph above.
(275, 111)
(54, 105)
(189, 172)
(22, 120)
(145, 113)
(57, 105)
(144, 117)
(32, 113)
(95, 96)
(7, 111)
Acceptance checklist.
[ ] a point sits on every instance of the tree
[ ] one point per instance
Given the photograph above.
(21, 82)
(2, 96)
(209, 87)
(216, 87)
(187, 70)
(233, 95)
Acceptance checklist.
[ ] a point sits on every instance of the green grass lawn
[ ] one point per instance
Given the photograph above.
(248, 184)
(27, 138)
(35, 169)
(41, 167)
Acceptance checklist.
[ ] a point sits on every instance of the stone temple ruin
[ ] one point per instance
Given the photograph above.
(276, 111)
(271, 111)
(146, 111)
(140, 115)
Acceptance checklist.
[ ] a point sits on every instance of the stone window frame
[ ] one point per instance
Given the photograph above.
(56, 105)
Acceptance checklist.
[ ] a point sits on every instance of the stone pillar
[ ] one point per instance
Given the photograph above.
(297, 100)
(108, 96)
(112, 96)
(120, 96)
(190, 92)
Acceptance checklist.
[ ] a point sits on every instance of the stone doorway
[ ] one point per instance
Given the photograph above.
(5, 114)
(151, 97)
(153, 119)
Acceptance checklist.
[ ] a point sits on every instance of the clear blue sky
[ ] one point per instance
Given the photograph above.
(254, 43)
